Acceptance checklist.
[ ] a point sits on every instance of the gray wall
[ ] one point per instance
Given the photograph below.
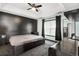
(13, 24)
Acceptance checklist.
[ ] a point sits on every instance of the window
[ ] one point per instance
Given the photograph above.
(50, 27)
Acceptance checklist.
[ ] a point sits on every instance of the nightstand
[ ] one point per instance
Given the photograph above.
(2, 39)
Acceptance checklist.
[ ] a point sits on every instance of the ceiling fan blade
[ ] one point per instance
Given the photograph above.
(30, 4)
(36, 10)
(33, 5)
(29, 8)
(38, 6)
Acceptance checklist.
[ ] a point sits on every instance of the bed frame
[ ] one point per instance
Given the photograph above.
(17, 50)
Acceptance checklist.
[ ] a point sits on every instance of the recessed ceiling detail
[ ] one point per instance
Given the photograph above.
(47, 9)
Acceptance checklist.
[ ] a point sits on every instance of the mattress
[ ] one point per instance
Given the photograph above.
(22, 39)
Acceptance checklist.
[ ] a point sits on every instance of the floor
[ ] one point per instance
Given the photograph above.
(42, 50)
(5, 50)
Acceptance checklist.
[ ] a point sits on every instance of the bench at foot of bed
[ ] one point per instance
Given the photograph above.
(17, 50)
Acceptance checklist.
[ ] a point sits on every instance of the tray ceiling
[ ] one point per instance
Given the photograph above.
(47, 9)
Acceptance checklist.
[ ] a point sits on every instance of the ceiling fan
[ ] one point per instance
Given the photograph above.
(34, 7)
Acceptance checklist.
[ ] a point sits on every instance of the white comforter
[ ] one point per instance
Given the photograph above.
(21, 39)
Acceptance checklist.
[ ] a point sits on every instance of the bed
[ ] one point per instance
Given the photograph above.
(22, 43)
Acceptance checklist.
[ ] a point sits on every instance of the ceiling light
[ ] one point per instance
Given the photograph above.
(33, 8)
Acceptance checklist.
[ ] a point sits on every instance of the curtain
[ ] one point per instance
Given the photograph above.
(43, 34)
(58, 28)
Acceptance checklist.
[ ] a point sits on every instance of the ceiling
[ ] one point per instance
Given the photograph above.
(47, 9)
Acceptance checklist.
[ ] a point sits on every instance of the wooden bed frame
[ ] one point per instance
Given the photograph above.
(17, 50)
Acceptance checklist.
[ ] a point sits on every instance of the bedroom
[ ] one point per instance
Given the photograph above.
(28, 30)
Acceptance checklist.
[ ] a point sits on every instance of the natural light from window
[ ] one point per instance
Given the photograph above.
(50, 27)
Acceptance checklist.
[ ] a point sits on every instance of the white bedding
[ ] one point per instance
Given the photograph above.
(21, 39)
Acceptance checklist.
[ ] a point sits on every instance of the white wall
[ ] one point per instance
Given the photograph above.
(66, 21)
(71, 26)
(62, 25)
(39, 26)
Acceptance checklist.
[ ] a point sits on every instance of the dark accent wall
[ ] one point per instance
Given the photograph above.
(15, 25)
